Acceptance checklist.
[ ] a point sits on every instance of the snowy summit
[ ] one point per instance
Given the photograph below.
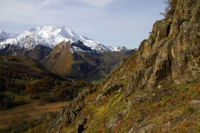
(51, 36)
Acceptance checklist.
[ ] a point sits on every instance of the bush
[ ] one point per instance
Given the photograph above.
(170, 9)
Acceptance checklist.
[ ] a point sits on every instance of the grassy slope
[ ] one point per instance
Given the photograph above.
(171, 110)
(169, 106)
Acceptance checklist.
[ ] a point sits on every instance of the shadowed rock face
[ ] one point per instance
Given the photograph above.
(82, 65)
(171, 53)
(37, 53)
(80, 45)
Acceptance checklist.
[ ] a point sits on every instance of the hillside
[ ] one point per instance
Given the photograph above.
(28, 91)
(82, 65)
(156, 89)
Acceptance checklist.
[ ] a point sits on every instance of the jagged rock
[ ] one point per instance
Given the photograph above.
(195, 103)
(113, 121)
(81, 125)
(80, 128)
(129, 104)
(171, 53)
(146, 129)
(66, 116)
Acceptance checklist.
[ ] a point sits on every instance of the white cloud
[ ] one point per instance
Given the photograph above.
(96, 3)
(46, 2)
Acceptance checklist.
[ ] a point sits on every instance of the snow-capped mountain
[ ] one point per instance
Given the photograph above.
(119, 48)
(4, 35)
(51, 36)
(64, 52)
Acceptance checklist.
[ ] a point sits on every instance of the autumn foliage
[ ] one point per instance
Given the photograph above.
(70, 90)
(40, 86)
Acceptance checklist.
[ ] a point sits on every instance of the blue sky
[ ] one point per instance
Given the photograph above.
(111, 22)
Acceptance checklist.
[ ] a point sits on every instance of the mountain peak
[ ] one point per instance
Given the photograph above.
(4, 35)
(51, 36)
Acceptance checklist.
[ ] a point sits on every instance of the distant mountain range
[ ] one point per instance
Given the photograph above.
(50, 36)
(4, 35)
(64, 52)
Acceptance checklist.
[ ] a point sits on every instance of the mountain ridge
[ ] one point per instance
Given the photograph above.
(91, 65)
(51, 46)
(51, 36)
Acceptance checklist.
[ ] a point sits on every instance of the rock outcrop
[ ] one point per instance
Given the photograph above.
(134, 96)
(68, 114)
(171, 52)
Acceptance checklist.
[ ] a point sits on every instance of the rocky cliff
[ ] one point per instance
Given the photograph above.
(156, 89)
(171, 51)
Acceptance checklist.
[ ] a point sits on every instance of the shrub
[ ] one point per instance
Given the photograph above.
(170, 9)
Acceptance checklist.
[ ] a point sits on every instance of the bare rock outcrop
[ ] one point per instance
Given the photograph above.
(172, 52)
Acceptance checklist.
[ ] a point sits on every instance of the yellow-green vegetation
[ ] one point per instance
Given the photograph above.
(156, 89)
(172, 110)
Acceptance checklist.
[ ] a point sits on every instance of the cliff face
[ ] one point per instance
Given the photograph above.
(156, 89)
(171, 51)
